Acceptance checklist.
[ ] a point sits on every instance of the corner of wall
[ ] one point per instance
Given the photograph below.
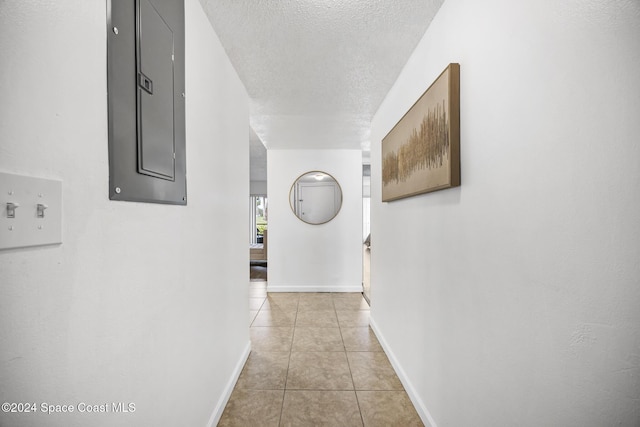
(416, 399)
(214, 419)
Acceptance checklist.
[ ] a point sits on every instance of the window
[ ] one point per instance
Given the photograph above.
(258, 212)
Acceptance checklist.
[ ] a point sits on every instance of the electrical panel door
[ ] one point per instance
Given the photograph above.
(146, 101)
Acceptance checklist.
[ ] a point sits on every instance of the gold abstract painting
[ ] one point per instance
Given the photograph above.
(422, 152)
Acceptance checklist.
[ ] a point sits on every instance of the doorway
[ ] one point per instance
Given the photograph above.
(258, 238)
(366, 232)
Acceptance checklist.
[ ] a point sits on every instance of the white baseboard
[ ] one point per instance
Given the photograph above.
(222, 402)
(314, 288)
(424, 414)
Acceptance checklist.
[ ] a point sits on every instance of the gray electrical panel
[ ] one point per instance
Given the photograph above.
(145, 68)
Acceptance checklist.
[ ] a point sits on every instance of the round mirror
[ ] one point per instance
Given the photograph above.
(315, 197)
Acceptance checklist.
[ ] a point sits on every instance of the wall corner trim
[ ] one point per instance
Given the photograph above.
(226, 394)
(423, 412)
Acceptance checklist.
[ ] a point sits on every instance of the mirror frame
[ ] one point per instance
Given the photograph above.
(293, 210)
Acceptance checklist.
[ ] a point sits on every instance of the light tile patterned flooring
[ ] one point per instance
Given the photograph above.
(315, 362)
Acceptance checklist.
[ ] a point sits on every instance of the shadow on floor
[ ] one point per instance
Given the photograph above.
(258, 273)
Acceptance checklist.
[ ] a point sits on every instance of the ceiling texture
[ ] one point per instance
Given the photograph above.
(317, 70)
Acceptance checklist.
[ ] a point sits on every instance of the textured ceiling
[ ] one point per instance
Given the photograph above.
(258, 159)
(317, 70)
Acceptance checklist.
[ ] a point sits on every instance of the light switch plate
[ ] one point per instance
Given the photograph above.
(27, 228)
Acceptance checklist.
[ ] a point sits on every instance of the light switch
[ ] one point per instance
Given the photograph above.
(11, 209)
(40, 209)
(31, 213)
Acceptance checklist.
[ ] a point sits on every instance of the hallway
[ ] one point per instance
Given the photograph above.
(315, 361)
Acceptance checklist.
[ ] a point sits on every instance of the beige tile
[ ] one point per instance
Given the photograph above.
(275, 317)
(315, 306)
(264, 371)
(318, 318)
(320, 408)
(315, 295)
(350, 301)
(319, 371)
(312, 301)
(252, 315)
(255, 303)
(373, 371)
(387, 408)
(317, 339)
(283, 295)
(360, 338)
(252, 408)
(274, 302)
(351, 318)
(271, 338)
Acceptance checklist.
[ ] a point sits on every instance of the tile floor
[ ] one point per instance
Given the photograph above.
(315, 362)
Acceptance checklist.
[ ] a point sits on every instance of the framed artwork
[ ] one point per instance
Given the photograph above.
(422, 152)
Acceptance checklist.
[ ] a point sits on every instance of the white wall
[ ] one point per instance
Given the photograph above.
(315, 258)
(515, 299)
(142, 303)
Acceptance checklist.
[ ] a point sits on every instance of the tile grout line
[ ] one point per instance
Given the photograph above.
(286, 376)
(348, 364)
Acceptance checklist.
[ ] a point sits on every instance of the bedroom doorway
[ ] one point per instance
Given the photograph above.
(366, 232)
(258, 237)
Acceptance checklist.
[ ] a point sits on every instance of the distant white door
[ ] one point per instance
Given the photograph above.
(317, 202)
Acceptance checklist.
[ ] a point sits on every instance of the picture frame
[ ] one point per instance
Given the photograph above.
(421, 153)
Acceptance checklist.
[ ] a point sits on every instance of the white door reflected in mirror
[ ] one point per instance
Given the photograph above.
(315, 197)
